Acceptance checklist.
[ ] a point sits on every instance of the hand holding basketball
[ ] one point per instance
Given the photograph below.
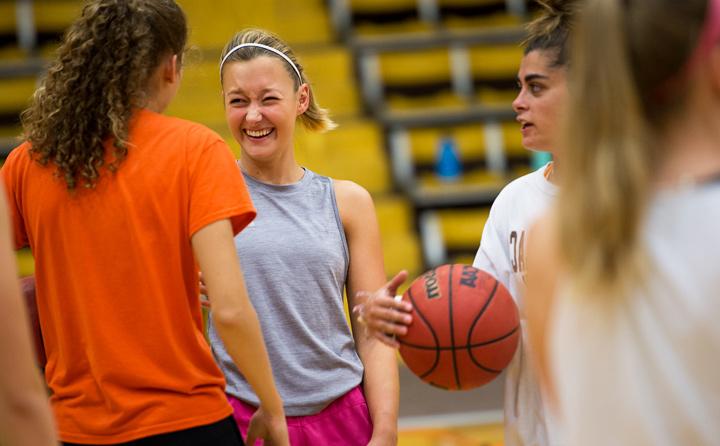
(382, 315)
(466, 327)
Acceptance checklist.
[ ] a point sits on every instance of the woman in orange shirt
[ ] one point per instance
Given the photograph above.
(119, 204)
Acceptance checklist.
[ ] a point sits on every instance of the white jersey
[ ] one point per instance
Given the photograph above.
(645, 370)
(502, 254)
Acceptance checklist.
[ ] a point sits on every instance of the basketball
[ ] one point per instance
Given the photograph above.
(465, 327)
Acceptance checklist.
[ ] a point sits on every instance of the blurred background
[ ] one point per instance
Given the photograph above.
(422, 92)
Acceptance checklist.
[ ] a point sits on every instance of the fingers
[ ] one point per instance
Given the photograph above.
(381, 298)
(396, 281)
(380, 317)
(401, 305)
(388, 328)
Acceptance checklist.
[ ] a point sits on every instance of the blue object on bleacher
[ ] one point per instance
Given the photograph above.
(448, 166)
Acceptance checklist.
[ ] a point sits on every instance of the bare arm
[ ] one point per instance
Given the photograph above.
(25, 416)
(542, 273)
(366, 272)
(237, 323)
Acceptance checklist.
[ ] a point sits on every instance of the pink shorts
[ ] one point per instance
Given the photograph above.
(346, 421)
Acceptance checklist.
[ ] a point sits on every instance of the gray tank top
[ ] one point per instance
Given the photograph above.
(295, 260)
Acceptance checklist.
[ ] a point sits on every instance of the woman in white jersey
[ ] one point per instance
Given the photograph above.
(314, 238)
(539, 107)
(624, 271)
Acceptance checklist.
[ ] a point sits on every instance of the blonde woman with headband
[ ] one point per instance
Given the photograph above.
(314, 238)
(624, 273)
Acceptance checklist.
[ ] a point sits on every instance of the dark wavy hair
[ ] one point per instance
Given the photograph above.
(99, 76)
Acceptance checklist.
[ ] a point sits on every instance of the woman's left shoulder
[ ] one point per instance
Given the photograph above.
(351, 192)
(354, 202)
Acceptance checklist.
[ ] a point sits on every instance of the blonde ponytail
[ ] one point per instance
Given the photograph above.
(624, 54)
(608, 157)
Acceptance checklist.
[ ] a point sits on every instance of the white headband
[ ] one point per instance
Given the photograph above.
(260, 45)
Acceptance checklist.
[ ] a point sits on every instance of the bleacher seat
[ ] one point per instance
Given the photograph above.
(429, 67)
(354, 151)
(441, 99)
(401, 248)
(54, 16)
(15, 95)
(330, 70)
(200, 95)
(452, 235)
(297, 22)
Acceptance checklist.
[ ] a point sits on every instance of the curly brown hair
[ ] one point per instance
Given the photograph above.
(99, 76)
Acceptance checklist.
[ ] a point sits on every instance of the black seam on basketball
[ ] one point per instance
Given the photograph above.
(487, 369)
(480, 314)
(463, 347)
(472, 328)
(452, 328)
(498, 339)
(483, 309)
(432, 332)
(477, 363)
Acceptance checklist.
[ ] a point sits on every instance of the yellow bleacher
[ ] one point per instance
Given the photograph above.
(495, 61)
(15, 94)
(495, 96)
(55, 15)
(401, 248)
(472, 3)
(415, 67)
(513, 139)
(331, 73)
(354, 151)
(462, 228)
(304, 22)
(200, 95)
(439, 99)
(7, 17)
(381, 6)
(469, 140)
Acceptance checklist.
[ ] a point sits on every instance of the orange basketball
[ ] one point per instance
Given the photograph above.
(465, 327)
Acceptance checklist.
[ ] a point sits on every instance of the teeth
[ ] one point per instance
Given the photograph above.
(258, 133)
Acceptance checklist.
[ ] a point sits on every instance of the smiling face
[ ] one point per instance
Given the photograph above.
(261, 106)
(540, 103)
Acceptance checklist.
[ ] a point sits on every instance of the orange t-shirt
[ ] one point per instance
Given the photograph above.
(117, 287)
